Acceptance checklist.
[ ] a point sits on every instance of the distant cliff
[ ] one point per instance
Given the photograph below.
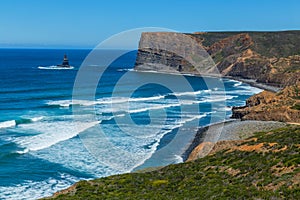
(271, 58)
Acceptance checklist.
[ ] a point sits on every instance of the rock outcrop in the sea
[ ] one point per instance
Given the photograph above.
(271, 58)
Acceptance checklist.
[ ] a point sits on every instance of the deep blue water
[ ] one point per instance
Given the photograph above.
(48, 142)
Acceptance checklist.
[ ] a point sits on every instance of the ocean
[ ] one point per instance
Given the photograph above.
(49, 140)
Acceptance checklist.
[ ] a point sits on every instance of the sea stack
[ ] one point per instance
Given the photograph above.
(65, 62)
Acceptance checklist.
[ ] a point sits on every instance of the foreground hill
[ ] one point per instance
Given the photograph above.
(265, 166)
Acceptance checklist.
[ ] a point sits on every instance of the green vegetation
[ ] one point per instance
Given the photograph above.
(269, 172)
(292, 69)
(296, 107)
(297, 92)
(218, 57)
(276, 44)
(269, 44)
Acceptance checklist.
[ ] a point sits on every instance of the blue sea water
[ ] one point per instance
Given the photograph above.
(40, 150)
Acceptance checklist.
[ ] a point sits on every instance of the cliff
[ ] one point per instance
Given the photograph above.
(282, 106)
(268, 58)
(271, 58)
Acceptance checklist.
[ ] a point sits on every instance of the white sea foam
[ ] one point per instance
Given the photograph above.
(231, 80)
(254, 90)
(146, 98)
(189, 102)
(190, 93)
(35, 119)
(143, 107)
(124, 99)
(7, 124)
(125, 70)
(119, 100)
(153, 108)
(68, 103)
(21, 120)
(237, 84)
(51, 133)
(216, 98)
(30, 119)
(61, 103)
(72, 154)
(119, 151)
(178, 159)
(169, 128)
(113, 100)
(22, 151)
(228, 108)
(31, 190)
(54, 67)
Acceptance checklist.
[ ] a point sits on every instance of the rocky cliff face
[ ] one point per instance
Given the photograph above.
(282, 106)
(172, 52)
(271, 58)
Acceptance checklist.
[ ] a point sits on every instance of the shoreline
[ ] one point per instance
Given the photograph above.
(201, 132)
(250, 82)
(253, 83)
(199, 138)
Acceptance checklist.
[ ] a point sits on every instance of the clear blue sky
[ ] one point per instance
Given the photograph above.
(85, 23)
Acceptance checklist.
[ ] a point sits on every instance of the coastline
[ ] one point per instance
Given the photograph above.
(253, 83)
(250, 82)
(229, 127)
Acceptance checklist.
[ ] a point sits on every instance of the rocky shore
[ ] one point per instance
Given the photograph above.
(269, 106)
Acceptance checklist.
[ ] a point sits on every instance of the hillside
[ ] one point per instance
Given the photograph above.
(271, 58)
(265, 59)
(265, 166)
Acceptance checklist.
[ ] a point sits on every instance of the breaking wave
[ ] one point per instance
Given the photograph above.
(21, 120)
(49, 134)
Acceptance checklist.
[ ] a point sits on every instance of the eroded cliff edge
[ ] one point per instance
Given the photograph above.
(281, 106)
(269, 58)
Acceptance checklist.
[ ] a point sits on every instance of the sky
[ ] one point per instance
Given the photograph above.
(85, 23)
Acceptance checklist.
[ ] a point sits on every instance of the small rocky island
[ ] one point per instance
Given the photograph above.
(65, 63)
